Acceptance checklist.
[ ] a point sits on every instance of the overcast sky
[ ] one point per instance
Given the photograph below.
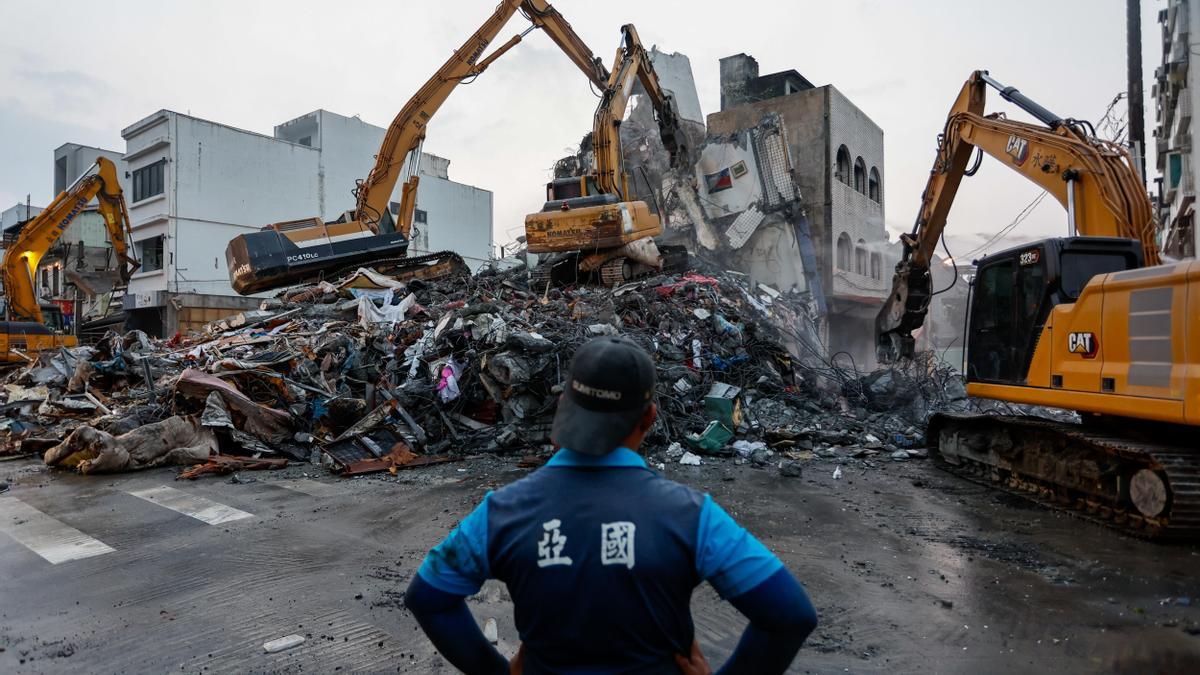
(71, 73)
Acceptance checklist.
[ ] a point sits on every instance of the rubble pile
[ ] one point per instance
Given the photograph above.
(371, 374)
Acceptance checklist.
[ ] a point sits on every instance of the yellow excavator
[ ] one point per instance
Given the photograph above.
(592, 221)
(295, 251)
(24, 330)
(1092, 323)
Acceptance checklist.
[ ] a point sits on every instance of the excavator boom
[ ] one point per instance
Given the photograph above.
(1093, 179)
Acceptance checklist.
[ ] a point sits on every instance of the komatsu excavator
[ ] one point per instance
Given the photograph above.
(24, 329)
(295, 251)
(1093, 323)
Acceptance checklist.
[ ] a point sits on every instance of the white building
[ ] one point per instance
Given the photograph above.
(72, 160)
(196, 184)
(17, 213)
(1176, 93)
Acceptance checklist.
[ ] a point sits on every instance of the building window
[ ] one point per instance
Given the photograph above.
(420, 216)
(873, 186)
(843, 165)
(876, 266)
(148, 180)
(151, 251)
(860, 176)
(860, 258)
(843, 251)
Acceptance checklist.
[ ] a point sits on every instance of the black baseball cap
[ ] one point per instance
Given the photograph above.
(609, 388)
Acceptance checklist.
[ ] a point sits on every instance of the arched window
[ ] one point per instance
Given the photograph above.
(843, 165)
(873, 186)
(876, 266)
(844, 249)
(860, 258)
(860, 176)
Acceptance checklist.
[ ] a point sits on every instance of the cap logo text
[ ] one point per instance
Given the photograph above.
(605, 394)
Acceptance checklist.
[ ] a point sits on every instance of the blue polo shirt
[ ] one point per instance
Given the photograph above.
(600, 556)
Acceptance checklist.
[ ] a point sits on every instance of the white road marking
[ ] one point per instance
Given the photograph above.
(204, 510)
(45, 536)
(311, 488)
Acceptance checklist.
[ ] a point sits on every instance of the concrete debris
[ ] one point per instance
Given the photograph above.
(283, 643)
(175, 440)
(490, 631)
(369, 374)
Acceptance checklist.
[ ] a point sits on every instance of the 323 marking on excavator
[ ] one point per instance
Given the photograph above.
(1031, 257)
(1018, 149)
(1084, 344)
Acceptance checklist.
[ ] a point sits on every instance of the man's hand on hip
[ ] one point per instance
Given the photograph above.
(694, 663)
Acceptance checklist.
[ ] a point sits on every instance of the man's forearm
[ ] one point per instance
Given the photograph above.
(452, 629)
(781, 617)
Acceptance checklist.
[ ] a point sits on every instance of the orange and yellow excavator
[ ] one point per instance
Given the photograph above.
(1093, 323)
(24, 329)
(295, 251)
(594, 218)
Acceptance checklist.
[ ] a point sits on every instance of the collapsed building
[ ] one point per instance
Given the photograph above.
(786, 187)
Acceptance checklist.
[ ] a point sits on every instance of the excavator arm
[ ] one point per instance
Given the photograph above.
(407, 130)
(633, 64)
(22, 257)
(1093, 179)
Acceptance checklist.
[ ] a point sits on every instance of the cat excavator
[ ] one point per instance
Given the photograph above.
(1094, 323)
(24, 330)
(295, 251)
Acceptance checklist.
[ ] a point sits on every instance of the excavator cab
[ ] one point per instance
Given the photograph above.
(1015, 290)
(53, 317)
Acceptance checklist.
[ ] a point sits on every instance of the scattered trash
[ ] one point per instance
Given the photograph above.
(369, 374)
(790, 469)
(490, 631)
(837, 472)
(747, 448)
(283, 643)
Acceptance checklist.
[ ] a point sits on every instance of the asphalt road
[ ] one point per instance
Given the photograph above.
(911, 570)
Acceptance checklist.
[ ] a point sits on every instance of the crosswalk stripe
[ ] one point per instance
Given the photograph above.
(55, 541)
(311, 488)
(204, 510)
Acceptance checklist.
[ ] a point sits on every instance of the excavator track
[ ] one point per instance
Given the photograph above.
(405, 268)
(445, 264)
(622, 270)
(564, 269)
(1146, 489)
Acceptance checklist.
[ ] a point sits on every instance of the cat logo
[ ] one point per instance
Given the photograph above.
(1018, 149)
(1084, 344)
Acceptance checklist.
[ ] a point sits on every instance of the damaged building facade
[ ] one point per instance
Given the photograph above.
(785, 185)
(837, 158)
(197, 184)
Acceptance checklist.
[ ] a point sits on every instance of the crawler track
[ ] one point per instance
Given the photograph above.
(564, 270)
(1142, 487)
(430, 266)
